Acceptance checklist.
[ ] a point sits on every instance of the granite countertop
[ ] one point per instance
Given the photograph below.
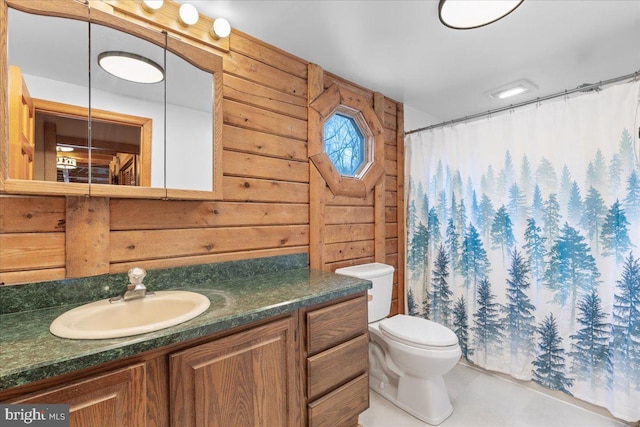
(29, 352)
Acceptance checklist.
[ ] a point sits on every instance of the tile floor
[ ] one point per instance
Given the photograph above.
(483, 400)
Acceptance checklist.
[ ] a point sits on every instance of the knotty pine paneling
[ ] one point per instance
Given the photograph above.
(265, 207)
(349, 214)
(196, 214)
(32, 250)
(391, 215)
(32, 239)
(360, 230)
(265, 53)
(254, 94)
(150, 244)
(390, 122)
(365, 93)
(255, 166)
(259, 190)
(348, 233)
(256, 118)
(391, 181)
(28, 214)
(250, 69)
(348, 250)
(264, 144)
(391, 230)
(390, 151)
(332, 199)
(391, 166)
(391, 199)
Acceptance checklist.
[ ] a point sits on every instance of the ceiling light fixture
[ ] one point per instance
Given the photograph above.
(188, 14)
(152, 5)
(64, 148)
(130, 66)
(512, 89)
(468, 14)
(220, 28)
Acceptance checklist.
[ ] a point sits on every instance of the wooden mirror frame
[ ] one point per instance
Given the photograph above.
(200, 58)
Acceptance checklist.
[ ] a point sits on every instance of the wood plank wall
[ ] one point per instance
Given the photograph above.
(350, 236)
(266, 202)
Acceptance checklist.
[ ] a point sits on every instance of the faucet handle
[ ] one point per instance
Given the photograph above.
(136, 275)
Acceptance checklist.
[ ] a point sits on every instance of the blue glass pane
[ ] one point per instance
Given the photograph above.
(344, 144)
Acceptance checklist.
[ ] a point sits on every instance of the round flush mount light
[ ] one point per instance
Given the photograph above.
(188, 14)
(468, 14)
(130, 66)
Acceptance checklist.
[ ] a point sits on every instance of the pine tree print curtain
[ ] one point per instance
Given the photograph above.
(524, 238)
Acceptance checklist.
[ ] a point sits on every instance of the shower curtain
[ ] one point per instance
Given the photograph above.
(524, 239)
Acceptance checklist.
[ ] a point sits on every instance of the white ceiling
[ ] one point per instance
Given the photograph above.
(401, 49)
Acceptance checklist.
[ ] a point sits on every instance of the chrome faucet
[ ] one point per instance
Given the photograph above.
(135, 289)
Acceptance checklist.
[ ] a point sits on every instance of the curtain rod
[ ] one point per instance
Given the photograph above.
(581, 88)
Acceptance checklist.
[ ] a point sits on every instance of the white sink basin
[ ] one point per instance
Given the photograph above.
(103, 319)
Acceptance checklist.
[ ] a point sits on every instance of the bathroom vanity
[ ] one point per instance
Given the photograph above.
(287, 348)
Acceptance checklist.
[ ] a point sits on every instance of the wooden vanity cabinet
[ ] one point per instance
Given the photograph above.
(305, 368)
(114, 398)
(337, 360)
(245, 379)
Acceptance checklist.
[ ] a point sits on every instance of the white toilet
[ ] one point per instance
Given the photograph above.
(407, 355)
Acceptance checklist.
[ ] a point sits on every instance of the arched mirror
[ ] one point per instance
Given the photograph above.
(78, 127)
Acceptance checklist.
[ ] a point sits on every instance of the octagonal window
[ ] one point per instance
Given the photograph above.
(347, 141)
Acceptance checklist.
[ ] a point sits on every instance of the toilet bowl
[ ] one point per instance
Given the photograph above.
(407, 355)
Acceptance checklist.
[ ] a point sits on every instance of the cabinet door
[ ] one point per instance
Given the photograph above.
(245, 379)
(113, 399)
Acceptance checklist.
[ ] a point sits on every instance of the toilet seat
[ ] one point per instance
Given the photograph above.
(418, 332)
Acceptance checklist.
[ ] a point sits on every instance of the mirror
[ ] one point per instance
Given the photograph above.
(127, 117)
(189, 123)
(90, 132)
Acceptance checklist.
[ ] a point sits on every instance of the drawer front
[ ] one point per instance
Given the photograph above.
(336, 324)
(336, 366)
(341, 405)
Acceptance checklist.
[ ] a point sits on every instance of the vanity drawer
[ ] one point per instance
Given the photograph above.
(339, 406)
(334, 367)
(336, 324)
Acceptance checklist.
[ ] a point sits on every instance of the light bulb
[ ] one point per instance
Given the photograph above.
(152, 5)
(188, 14)
(221, 28)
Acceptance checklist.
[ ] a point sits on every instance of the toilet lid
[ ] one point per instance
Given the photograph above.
(418, 331)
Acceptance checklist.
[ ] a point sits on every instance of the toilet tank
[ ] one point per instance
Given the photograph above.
(381, 275)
